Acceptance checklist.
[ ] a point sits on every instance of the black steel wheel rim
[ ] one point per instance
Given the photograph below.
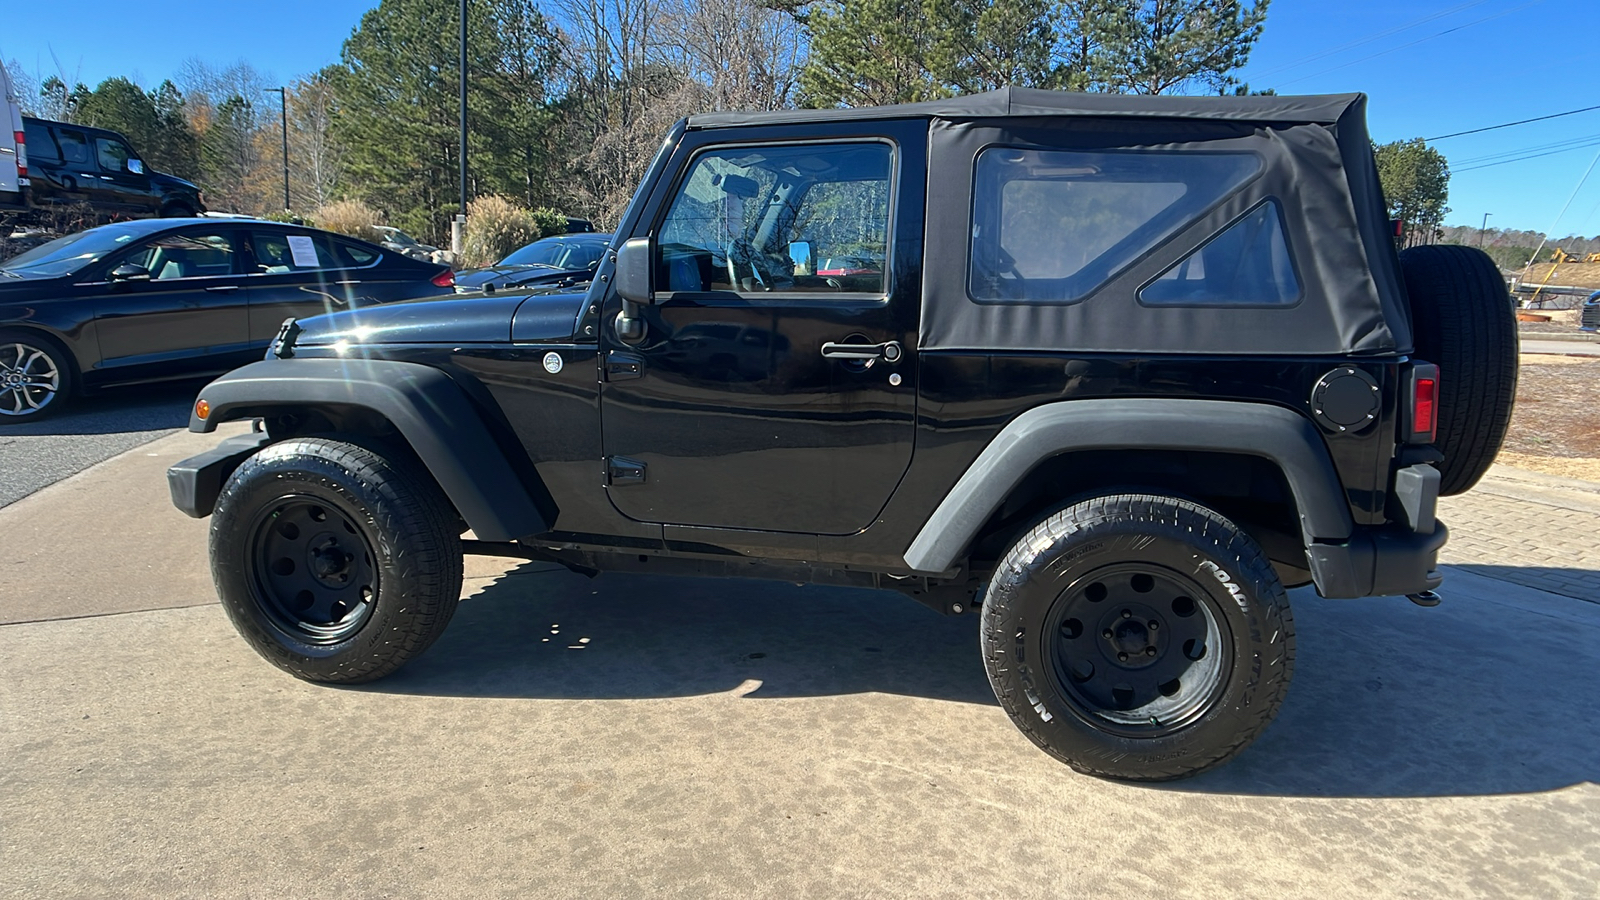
(313, 570)
(1138, 649)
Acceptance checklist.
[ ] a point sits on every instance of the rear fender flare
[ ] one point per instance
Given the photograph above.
(1286, 438)
(424, 405)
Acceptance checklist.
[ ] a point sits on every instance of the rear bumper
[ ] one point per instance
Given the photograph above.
(196, 482)
(1396, 559)
(1378, 562)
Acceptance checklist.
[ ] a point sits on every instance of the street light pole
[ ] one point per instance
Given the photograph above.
(1483, 228)
(460, 223)
(283, 110)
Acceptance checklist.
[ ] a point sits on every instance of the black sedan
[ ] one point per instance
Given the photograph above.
(563, 259)
(175, 298)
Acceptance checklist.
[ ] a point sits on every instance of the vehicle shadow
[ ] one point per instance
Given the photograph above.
(1389, 699)
(131, 408)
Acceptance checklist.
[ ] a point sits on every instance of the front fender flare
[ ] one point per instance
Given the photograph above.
(1283, 436)
(429, 410)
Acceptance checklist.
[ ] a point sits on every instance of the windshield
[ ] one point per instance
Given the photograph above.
(396, 236)
(63, 256)
(539, 253)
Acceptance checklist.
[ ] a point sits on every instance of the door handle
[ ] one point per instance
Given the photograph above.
(222, 288)
(889, 351)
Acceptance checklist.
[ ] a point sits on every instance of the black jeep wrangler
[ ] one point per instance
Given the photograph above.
(1111, 371)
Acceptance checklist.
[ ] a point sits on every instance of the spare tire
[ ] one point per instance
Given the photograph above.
(1462, 321)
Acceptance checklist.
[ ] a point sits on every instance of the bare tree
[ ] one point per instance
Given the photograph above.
(315, 155)
(743, 54)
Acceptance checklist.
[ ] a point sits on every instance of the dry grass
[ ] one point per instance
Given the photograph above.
(1555, 427)
(350, 217)
(1574, 274)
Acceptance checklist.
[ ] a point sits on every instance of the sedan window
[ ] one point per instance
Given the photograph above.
(185, 256)
(278, 253)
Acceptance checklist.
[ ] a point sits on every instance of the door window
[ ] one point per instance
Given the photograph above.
(177, 256)
(811, 219)
(113, 155)
(74, 146)
(277, 253)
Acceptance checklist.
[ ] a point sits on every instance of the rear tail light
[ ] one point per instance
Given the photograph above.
(447, 278)
(1424, 418)
(22, 154)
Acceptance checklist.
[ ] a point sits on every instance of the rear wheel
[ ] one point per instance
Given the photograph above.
(336, 564)
(1138, 637)
(177, 211)
(1463, 321)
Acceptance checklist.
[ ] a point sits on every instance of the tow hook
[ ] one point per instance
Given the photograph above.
(1426, 598)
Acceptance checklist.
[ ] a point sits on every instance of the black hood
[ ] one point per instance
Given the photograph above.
(455, 319)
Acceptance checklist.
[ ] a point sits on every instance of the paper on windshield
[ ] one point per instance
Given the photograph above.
(303, 251)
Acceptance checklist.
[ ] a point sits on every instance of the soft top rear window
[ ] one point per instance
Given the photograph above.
(1050, 226)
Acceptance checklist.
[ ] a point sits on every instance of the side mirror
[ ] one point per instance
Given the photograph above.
(130, 272)
(136, 166)
(804, 258)
(633, 271)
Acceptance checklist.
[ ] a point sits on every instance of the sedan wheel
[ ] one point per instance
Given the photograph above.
(34, 378)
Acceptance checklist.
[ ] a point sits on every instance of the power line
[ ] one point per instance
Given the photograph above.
(1430, 37)
(1522, 158)
(1570, 112)
(1553, 145)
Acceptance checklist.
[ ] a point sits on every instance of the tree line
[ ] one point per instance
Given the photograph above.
(568, 99)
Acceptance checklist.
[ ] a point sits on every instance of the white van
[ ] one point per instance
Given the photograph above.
(13, 149)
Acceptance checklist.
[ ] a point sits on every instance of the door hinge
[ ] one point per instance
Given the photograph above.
(622, 365)
(622, 470)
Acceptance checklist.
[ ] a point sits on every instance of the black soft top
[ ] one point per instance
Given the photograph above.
(1316, 163)
(1315, 109)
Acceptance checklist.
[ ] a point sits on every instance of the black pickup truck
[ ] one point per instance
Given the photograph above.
(1111, 372)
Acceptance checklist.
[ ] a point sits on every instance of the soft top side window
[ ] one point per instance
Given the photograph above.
(1050, 226)
(1246, 264)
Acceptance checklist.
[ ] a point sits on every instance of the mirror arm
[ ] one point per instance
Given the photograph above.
(630, 323)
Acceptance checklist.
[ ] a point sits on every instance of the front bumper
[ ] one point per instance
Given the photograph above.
(196, 482)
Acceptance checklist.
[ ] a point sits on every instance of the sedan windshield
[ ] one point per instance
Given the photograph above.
(539, 253)
(64, 256)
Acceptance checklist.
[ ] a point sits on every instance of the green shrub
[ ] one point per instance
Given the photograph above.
(551, 221)
(349, 217)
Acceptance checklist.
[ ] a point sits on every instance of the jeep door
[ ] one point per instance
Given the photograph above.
(764, 394)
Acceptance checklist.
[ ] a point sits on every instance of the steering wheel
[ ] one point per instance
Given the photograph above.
(745, 270)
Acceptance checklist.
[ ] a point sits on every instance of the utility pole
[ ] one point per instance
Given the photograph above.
(1483, 228)
(460, 224)
(283, 111)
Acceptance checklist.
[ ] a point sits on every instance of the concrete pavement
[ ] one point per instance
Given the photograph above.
(630, 736)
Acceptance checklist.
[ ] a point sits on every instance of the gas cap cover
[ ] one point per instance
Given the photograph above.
(1345, 399)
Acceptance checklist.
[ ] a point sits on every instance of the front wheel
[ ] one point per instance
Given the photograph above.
(1138, 637)
(36, 377)
(335, 563)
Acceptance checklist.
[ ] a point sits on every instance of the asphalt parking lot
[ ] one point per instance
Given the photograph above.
(631, 736)
(95, 428)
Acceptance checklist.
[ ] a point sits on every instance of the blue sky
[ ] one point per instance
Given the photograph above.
(1500, 61)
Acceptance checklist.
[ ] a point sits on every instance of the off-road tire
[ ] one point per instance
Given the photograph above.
(1462, 320)
(59, 360)
(1109, 541)
(399, 515)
